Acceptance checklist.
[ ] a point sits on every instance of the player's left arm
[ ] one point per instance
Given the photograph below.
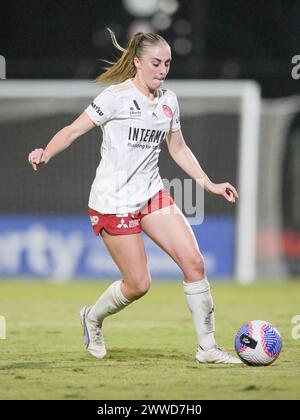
(187, 161)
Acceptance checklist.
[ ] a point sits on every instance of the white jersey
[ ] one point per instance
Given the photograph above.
(133, 129)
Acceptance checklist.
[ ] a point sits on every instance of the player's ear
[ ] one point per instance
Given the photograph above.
(137, 63)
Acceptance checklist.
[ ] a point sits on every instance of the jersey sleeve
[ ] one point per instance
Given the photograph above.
(175, 123)
(103, 108)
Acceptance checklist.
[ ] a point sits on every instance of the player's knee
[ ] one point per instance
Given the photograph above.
(139, 286)
(195, 267)
(142, 289)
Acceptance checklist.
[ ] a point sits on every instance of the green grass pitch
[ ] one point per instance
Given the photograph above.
(151, 344)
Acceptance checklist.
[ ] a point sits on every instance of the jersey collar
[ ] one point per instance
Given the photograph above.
(141, 94)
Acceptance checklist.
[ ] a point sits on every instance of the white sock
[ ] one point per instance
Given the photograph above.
(200, 303)
(110, 302)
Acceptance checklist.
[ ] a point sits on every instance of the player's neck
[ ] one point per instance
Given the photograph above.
(143, 88)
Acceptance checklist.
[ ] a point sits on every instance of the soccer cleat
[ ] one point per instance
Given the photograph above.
(216, 355)
(92, 335)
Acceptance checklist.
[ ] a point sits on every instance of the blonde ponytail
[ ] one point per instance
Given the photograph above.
(124, 67)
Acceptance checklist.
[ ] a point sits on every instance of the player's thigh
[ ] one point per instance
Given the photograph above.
(170, 230)
(128, 252)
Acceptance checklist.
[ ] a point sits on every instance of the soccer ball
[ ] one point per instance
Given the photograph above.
(258, 343)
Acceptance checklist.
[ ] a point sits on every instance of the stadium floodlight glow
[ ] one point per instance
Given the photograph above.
(144, 8)
(139, 25)
(161, 21)
(182, 27)
(168, 6)
(182, 46)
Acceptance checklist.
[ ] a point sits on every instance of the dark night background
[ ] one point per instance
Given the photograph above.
(232, 39)
(210, 39)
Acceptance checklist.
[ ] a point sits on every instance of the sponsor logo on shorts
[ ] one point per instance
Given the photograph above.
(134, 223)
(122, 224)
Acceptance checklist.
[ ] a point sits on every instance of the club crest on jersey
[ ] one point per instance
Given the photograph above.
(167, 111)
(94, 220)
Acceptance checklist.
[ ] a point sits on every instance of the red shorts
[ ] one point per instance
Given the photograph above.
(126, 224)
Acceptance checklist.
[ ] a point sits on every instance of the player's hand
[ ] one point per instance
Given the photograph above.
(226, 190)
(37, 157)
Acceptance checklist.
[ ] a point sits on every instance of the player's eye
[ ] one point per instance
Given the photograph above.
(155, 64)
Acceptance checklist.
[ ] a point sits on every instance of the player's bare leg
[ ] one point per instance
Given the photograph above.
(129, 255)
(128, 252)
(169, 229)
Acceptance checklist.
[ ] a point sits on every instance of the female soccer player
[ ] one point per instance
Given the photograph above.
(127, 196)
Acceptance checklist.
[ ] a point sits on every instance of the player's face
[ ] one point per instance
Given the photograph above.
(154, 65)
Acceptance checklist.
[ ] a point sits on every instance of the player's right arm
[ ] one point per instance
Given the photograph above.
(62, 139)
